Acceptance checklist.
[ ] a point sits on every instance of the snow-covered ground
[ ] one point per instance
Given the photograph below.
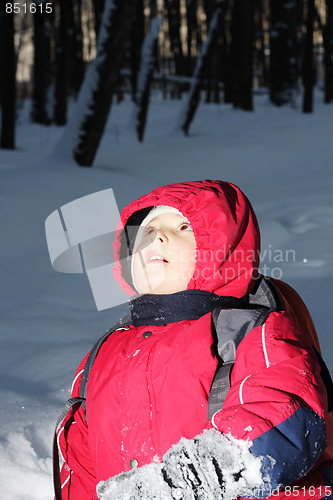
(283, 161)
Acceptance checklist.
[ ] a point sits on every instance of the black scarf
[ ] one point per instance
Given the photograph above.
(151, 309)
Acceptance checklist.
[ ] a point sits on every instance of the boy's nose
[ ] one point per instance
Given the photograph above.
(161, 236)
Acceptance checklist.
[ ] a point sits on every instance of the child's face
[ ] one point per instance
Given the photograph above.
(165, 259)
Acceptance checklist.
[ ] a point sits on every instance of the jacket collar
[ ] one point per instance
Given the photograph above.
(181, 306)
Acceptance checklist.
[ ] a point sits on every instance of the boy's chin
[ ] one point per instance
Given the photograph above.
(164, 289)
(162, 283)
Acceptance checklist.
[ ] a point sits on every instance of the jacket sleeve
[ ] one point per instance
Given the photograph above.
(78, 479)
(277, 400)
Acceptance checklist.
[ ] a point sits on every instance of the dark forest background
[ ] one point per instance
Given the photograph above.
(89, 52)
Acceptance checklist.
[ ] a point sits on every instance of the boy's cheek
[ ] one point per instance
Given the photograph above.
(180, 275)
(185, 255)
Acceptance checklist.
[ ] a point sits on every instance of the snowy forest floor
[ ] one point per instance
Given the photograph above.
(281, 158)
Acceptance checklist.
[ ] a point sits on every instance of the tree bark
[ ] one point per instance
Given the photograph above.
(8, 87)
(191, 21)
(41, 69)
(173, 9)
(328, 46)
(283, 51)
(96, 93)
(75, 63)
(209, 74)
(242, 54)
(98, 8)
(259, 29)
(153, 9)
(137, 36)
(193, 98)
(226, 54)
(308, 72)
(147, 65)
(61, 62)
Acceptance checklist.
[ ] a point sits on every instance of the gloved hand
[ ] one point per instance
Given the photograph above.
(211, 467)
(208, 467)
(146, 483)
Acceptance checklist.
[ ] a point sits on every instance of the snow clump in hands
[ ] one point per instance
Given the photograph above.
(211, 466)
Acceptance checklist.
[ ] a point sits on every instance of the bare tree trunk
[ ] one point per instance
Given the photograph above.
(8, 87)
(226, 54)
(93, 106)
(41, 69)
(98, 8)
(199, 33)
(193, 98)
(283, 51)
(173, 8)
(148, 62)
(153, 9)
(242, 54)
(328, 43)
(191, 21)
(259, 29)
(309, 74)
(209, 6)
(137, 36)
(61, 60)
(153, 14)
(75, 63)
(213, 71)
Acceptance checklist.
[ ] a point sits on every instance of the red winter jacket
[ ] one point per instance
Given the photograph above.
(149, 385)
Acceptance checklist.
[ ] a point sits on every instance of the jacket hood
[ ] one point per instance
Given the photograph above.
(225, 229)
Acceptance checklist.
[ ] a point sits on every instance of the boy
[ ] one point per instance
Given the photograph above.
(191, 254)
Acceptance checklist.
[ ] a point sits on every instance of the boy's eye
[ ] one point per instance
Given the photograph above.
(149, 230)
(185, 226)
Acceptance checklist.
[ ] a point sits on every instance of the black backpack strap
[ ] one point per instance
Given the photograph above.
(266, 294)
(123, 323)
(230, 326)
(56, 465)
(81, 400)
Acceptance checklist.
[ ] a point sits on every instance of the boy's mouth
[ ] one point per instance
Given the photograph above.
(155, 257)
